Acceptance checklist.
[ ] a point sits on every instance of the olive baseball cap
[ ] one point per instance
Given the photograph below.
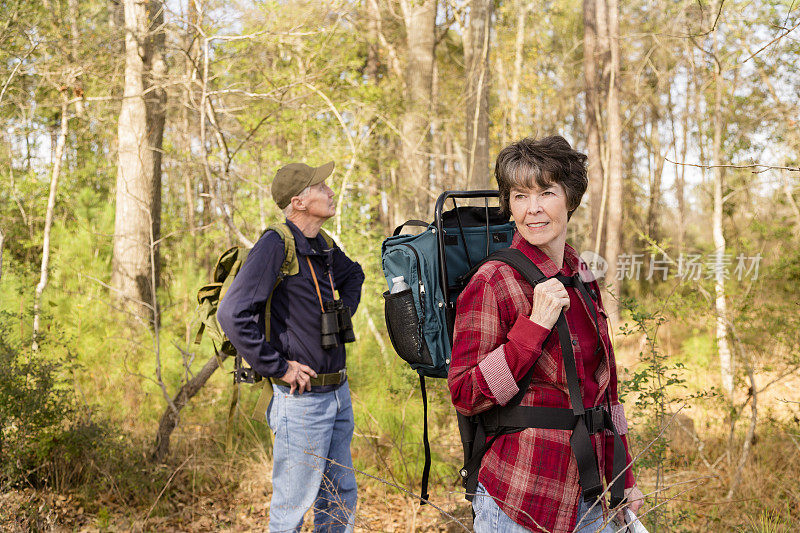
(293, 178)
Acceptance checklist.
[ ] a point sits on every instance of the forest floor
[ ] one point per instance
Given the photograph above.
(767, 501)
(378, 510)
(205, 490)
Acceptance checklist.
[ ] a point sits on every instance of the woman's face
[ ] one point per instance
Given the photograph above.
(541, 217)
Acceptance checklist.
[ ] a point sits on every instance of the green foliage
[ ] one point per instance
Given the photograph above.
(274, 95)
(653, 385)
(48, 439)
(33, 404)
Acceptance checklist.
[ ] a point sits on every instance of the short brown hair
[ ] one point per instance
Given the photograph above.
(541, 162)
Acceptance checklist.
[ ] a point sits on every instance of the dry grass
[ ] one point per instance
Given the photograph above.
(211, 489)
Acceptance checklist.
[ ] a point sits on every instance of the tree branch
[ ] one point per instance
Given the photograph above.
(761, 166)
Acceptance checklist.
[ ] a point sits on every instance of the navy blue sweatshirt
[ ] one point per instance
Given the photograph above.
(295, 314)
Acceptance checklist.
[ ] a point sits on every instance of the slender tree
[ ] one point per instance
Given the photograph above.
(523, 8)
(420, 26)
(614, 170)
(720, 304)
(592, 120)
(48, 222)
(140, 130)
(476, 60)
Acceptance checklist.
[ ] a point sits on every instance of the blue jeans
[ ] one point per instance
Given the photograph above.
(489, 518)
(311, 462)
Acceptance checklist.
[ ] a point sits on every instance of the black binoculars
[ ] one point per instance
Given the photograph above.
(336, 327)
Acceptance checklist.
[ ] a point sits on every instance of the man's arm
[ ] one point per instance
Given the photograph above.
(245, 301)
(349, 278)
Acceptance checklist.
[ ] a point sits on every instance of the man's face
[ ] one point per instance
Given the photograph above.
(319, 201)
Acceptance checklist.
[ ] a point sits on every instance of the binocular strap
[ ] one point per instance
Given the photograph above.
(316, 283)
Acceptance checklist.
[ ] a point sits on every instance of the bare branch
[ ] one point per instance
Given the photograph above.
(762, 167)
(776, 39)
(16, 68)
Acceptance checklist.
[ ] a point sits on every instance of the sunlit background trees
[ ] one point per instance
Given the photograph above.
(139, 141)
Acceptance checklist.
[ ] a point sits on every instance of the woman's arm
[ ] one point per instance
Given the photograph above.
(494, 342)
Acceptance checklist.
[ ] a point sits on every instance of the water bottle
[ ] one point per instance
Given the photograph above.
(399, 285)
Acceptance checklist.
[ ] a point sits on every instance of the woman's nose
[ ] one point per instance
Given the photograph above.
(533, 205)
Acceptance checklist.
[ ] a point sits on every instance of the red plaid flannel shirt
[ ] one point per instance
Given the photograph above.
(531, 474)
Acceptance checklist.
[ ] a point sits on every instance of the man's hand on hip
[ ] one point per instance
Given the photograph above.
(298, 376)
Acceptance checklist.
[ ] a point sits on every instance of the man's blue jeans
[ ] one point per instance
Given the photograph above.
(489, 518)
(311, 462)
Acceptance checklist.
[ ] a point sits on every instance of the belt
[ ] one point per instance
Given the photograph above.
(334, 378)
(543, 418)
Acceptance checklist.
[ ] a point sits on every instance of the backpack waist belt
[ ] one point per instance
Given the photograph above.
(334, 378)
(507, 420)
(523, 417)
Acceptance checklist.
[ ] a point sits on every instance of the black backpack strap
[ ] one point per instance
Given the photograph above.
(576, 282)
(515, 259)
(580, 441)
(587, 469)
(426, 470)
(581, 444)
(412, 222)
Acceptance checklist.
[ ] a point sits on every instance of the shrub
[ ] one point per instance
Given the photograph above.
(49, 440)
(34, 406)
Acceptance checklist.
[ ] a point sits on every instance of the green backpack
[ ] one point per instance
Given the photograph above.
(209, 296)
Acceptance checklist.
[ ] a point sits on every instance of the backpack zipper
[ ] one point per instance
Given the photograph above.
(419, 277)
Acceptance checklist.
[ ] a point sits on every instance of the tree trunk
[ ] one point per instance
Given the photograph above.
(420, 22)
(437, 135)
(171, 417)
(519, 51)
(680, 185)
(499, 74)
(74, 41)
(595, 168)
(725, 355)
(2, 239)
(48, 224)
(373, 41)
(476, 61)
(613, 244)
(654, 200)
(140, 131)
(188, 120)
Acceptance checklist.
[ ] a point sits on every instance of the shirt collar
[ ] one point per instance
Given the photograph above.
(541, 259)
(301, 241)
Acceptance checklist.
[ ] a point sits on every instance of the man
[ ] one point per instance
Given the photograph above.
(310, 412)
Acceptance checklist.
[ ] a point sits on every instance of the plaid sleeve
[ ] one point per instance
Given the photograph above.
(489, 357)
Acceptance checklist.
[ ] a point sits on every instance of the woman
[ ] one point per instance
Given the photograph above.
(529, 480)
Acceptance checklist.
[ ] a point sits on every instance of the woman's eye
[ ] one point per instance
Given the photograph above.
(519, 196)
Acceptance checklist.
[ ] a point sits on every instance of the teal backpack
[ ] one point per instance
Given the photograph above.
(435, 264)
